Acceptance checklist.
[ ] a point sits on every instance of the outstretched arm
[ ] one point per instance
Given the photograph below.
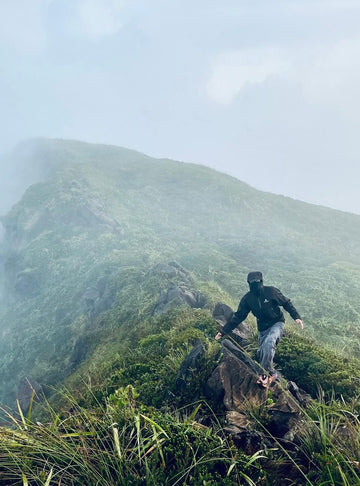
(239, 316)
(289, 307)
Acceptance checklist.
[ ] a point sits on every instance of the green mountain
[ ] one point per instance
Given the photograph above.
(111, 267)
(105, 216)
(110, 213)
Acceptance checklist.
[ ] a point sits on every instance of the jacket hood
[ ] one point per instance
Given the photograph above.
(254, 276)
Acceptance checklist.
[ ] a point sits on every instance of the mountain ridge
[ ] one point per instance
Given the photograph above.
(111, 267)
(113, 214)
(31, 148)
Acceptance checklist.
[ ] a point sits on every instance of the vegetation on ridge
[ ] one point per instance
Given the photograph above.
(85, 264)
(108, 432)
(106, 216)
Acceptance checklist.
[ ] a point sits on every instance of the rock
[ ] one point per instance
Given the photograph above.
(235, 379)
(214, 389)
(242, 334)
(230, 348)
(89, 215)
(250, 441)
(99, 298)
(177, 295)
(27, 387)
(285, 415)
(171, 270)
(222, 313)
(239, 420)
(233, 382)
(302, 397)
(179, 291)
(102, 285)
(189, 367)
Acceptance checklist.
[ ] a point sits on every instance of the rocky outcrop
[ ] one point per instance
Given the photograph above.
(255, 416)
(242, 334)
(193, 361)
(177, 295)
(89, 215)
(171, 270)
(98, 298)
(72, 206)
(233, 383)
(179, 291)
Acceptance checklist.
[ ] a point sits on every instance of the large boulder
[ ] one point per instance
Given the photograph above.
(244, 433)
(242, 334)
(192, 363)
(234, 379)
(179, 290)
(177, 295)
(233, 382)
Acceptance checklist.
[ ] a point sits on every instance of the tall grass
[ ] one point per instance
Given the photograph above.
(331, 441)
(123, 443)
(127, 443)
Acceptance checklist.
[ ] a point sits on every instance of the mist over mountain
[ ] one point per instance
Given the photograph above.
(89, 237)
(119, 266)
(26, 164)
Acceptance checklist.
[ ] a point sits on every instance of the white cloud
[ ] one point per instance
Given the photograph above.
(99, 18)
(22, 25)
(331, 76)
(233, 70)
(27, 25)
(311, 6)
(328, 75)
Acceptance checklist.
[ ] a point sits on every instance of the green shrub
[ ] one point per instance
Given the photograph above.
(312, 366)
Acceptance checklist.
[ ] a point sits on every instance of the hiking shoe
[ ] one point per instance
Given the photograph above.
(263, 381)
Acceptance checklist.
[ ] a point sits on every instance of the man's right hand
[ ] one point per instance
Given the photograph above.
(218, 336)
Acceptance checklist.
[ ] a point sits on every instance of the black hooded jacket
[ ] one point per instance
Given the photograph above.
(265, 307)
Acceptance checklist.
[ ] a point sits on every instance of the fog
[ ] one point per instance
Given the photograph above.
(265, 91)
(20, 167)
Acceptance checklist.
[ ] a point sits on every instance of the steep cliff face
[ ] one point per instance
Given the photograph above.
(88, 237)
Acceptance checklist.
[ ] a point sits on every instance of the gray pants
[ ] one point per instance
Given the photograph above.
(268, 340)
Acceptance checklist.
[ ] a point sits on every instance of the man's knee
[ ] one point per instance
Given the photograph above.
(271, 340)
(277, 334)
(267, 347)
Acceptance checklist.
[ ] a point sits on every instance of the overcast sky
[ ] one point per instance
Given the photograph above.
(268, 91)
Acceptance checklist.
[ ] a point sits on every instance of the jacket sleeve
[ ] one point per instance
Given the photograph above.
(287, 304)
(239, 316)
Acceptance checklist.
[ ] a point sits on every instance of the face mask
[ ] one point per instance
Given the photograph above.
(255, 287)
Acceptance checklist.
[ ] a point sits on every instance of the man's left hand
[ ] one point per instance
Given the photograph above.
(300, 322)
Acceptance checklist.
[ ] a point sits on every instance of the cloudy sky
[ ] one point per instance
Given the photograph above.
(267, 91)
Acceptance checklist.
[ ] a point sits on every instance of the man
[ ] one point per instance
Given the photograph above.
(264, 302)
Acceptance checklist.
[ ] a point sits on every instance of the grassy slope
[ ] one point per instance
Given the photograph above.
(114, 213)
